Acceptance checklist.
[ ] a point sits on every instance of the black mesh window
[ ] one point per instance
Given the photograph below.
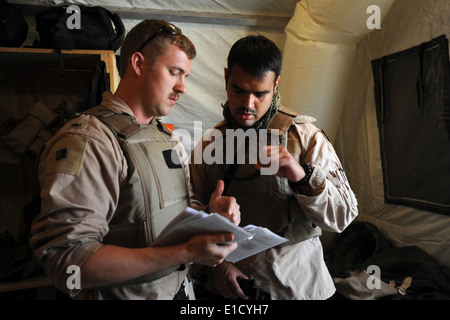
(412, 95)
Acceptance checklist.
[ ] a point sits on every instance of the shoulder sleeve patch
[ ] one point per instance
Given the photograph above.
(67, 156)
(302, 119)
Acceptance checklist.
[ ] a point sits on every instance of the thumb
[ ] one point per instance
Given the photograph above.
(219, 188)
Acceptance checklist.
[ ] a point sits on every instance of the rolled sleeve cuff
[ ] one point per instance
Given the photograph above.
(317, 180)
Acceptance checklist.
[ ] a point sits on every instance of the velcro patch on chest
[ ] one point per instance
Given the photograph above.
(172, 159)
(67, 156)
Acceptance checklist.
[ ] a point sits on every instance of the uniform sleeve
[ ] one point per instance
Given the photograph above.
(80, 173)
(330, 202)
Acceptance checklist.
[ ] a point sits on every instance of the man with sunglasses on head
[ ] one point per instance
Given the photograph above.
(304, 191)
(114, 177)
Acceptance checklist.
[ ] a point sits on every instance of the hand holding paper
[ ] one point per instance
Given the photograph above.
(190, 222)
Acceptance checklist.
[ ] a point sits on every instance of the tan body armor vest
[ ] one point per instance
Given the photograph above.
(267, 200)
(156, 190)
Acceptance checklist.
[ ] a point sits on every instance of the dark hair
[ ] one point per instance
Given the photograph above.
(158, 46)
(256, 55)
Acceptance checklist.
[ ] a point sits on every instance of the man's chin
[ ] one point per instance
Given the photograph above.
(246, 124)
(165, 111)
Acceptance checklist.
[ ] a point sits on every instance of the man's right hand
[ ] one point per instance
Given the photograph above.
(210, 250)
(224, 278)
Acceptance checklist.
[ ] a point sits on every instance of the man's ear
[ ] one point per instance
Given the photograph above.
(137, 61)
(276, 83)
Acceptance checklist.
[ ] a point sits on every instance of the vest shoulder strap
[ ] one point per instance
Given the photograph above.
(122, 124)
(282, 120)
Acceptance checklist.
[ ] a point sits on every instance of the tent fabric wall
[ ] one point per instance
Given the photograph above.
(265, 7)
(408, 23)
(318, 56)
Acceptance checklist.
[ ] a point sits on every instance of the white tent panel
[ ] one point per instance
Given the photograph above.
(258, 7)
(318, 58)
(338, 21)
(314, 80)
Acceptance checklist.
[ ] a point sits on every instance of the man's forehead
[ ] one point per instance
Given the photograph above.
(176, 58)
(242, 78)
(264, 74)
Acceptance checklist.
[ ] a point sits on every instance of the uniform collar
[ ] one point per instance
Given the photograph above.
(115, 104)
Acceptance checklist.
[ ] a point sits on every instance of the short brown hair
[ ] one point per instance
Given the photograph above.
(156, 47)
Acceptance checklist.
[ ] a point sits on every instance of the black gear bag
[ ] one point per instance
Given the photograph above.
(13, 26)
(99, 29)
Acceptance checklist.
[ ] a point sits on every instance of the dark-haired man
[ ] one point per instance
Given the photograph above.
(309, 191)
(110, 184)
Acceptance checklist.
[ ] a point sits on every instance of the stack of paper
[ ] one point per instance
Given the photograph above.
(250, 239)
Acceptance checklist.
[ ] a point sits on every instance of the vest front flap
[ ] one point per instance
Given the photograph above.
(161, 175)
(156, 188)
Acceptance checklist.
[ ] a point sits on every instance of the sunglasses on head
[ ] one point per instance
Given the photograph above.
(170, 28)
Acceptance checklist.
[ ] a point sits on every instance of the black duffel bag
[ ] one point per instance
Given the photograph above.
(99, 29)
(13, 26)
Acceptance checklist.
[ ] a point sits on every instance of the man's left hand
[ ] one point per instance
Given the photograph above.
(226, 206)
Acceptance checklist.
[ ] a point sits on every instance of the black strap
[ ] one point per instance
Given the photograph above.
(229, 173)
(420, 84)
(228, 176)
(120, 31)
(61, 63)
(252, 290)
(99, 84)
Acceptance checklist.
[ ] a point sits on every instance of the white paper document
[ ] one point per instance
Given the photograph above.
(250, 239)
(262, 239)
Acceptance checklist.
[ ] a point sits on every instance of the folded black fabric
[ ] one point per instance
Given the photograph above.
(253, 291)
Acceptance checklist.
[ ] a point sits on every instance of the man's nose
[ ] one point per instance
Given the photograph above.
(180, 86)
(249, 101)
